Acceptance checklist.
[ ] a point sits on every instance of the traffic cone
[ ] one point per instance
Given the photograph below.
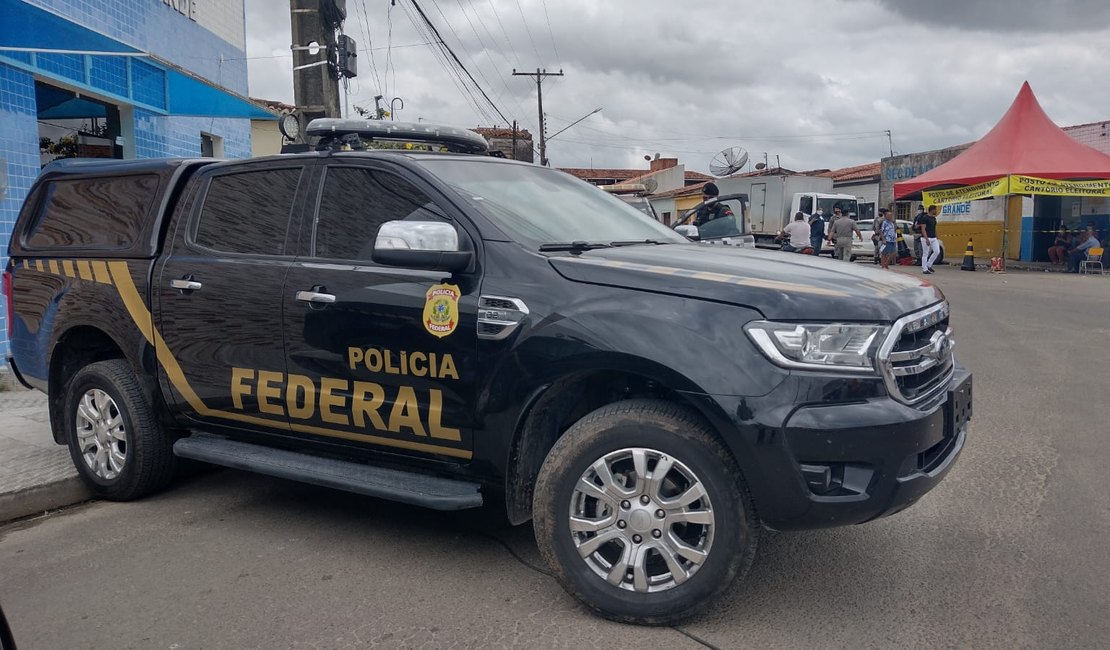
(969, 257)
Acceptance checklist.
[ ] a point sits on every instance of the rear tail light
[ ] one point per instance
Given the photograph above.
(8, 300)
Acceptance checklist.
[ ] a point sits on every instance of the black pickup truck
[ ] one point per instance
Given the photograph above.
(453, 330)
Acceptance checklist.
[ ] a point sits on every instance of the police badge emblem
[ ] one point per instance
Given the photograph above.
(441, 309)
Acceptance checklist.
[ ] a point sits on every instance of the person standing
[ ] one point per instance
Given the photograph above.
(840, 234)
(917, 233)
(888, 237)
(930, 246)
(816, 231)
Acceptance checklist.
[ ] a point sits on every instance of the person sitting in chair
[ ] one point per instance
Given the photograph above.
(1058, 251)
(1084, 242)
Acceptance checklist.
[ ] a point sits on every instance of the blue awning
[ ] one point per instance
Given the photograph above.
(51, 46)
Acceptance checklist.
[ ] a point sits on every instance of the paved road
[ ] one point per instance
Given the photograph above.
(1010, 551)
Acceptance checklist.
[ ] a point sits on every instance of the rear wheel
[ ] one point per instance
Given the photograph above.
(119, 448)
(642, 514)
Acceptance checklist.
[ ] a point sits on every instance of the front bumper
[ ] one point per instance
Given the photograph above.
(837, 461)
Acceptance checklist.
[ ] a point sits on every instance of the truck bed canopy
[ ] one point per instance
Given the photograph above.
(1024, 142)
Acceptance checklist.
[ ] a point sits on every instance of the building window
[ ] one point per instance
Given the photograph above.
(666, 218)
(211, 146)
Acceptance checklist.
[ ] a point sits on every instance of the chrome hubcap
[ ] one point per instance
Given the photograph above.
(642, 521)
(101, 436)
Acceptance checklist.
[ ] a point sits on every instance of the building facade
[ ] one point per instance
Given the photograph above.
(117, 79)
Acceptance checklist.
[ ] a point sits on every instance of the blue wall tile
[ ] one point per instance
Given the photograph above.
(150, 26)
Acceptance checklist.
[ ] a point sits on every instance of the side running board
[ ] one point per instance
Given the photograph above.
(395, 485)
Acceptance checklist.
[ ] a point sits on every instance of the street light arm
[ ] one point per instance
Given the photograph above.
(596, 110)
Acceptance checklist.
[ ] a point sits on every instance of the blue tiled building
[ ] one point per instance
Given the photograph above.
(161, 77)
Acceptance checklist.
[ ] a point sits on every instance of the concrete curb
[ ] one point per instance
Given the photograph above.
(41, 498)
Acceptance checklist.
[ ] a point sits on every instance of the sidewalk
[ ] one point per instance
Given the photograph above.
(36, 475)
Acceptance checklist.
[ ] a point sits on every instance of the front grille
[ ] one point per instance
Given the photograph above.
(917, 357)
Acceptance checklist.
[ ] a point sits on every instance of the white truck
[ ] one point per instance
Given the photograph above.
(774, 199)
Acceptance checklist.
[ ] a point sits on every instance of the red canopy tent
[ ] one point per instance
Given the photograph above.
(1025, 141)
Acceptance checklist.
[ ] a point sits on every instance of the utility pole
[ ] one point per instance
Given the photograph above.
(514, 140)
(539, 76)
(315, 81)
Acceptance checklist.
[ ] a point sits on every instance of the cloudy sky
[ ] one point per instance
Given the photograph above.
(815, 82)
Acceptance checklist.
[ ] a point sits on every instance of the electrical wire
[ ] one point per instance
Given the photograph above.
(389, 51)
(473, 59)
(455, 57)
(365, 18)
(485, 49)
(529, 32)
(444, 62)
(506, 33)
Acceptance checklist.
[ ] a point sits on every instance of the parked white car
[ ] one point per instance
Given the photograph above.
(866, 248)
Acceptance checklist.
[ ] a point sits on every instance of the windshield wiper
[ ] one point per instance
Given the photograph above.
(574, 246)
(635, 242)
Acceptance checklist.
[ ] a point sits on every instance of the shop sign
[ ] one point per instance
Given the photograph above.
(187, 8)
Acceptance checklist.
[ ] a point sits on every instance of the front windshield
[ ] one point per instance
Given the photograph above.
(847, 206)
(537, 206)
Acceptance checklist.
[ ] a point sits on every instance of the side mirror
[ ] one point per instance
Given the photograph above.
(690, 232)
(428, 245)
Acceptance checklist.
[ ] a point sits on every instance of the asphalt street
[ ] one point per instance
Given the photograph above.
(1010, 551)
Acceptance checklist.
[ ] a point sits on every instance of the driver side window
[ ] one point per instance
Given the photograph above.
(354, 204)
(806, 204)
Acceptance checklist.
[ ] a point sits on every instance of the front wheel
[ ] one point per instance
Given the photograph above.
(642, 514)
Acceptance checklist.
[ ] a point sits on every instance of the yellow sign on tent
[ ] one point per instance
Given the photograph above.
(997, 187)
(1033, 185)
(1017, 184)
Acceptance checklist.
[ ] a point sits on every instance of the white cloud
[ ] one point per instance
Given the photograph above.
(812, 81)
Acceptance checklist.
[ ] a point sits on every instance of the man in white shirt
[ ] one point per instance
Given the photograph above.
(798, 232)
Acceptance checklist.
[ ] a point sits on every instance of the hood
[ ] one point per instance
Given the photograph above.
(782, 286)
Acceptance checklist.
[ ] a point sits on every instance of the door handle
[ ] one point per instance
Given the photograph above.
(186, 283)
(316, 297)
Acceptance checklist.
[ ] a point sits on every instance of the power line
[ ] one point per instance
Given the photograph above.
(365, 18)
(550, 32)
(441, 58)
(505, 32)
(454, 56)
(486, 50)
(459, 40)
(529, 32)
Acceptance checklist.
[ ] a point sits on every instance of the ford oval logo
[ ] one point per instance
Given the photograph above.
(939, 346)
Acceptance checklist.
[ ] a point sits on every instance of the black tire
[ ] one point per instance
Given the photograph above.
(150, 463)
(684, 437)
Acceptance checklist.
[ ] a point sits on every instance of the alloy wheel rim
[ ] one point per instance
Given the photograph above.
(641, 520)
(101, 434)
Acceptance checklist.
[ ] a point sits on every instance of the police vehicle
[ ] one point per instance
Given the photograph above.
(452, 330)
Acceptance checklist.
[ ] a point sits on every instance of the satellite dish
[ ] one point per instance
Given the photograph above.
(761, 165)
(647, 157)
(728, 161)
(650, 185)
(656, 156)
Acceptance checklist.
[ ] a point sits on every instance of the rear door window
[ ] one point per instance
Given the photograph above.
(248, 213)
(93, 213)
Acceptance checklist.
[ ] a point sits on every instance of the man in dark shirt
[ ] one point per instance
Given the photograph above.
(816, 231)
(711, 209)
(917, 233)
(930, 246)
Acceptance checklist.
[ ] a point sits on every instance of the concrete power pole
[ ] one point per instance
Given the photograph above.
(315, 82)
(539, 76)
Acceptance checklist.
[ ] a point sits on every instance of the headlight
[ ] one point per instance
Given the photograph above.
(819, 346)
